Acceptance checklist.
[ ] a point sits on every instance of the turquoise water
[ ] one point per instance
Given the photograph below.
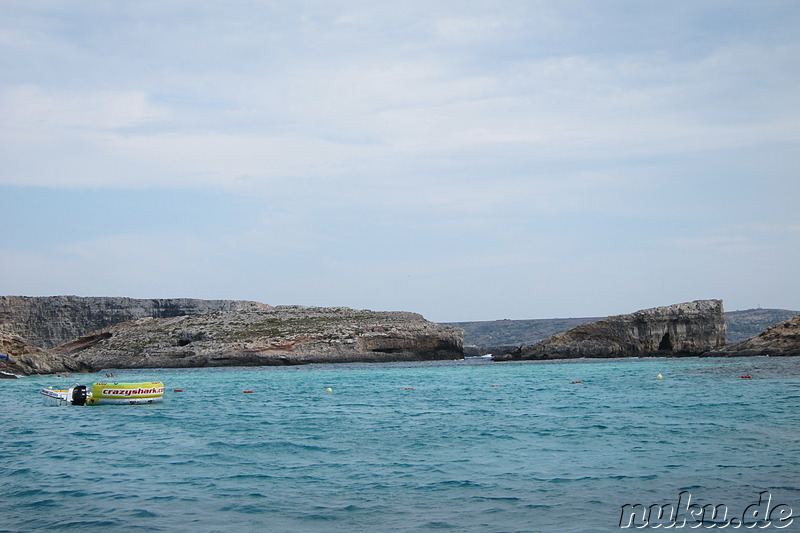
(470, 446)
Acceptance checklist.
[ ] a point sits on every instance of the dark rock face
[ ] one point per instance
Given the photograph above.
(49, 321)
(778, 340)
(283, 335)
(690, 328)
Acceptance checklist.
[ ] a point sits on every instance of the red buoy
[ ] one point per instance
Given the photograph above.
(747, 376)
(177, 390)
(577, 381)
(247, 391)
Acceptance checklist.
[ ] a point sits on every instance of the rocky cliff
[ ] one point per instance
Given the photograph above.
(778, 340)
(49, 321)
(502, 336)
(276, 336)
(21, 359)
(690, 328)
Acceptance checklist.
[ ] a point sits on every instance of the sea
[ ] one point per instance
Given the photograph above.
(463, 446)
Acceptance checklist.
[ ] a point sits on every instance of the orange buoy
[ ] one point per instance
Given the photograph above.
(577, 381)
(247, 391)
(177, 390)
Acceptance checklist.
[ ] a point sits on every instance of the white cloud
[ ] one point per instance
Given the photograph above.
(365, 110)
(484, 135)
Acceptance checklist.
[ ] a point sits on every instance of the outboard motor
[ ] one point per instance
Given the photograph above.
(79, 395)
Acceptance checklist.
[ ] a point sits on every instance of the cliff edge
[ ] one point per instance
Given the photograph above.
(690, 328)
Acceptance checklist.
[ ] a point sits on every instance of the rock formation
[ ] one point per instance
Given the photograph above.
(276, 336)
(780, 339)
(21, 359)
(49, 321)
(690, 328)
(504, 336)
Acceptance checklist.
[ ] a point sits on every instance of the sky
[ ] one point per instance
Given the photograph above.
(466, 160)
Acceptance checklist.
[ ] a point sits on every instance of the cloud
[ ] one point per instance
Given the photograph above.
(490, 145)
(330, 86)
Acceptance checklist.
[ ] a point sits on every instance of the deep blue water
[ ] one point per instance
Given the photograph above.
(468, 446)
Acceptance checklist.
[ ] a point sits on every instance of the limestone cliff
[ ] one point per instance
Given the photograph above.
(504, 336)
(22, 359)
(690, 328)
(276, 336)
(778, 340)
(49, 321)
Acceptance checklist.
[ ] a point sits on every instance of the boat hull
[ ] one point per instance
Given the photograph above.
(126, 393)
(106, 394)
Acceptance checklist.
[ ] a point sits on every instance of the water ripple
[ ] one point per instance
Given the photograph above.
(453, 453)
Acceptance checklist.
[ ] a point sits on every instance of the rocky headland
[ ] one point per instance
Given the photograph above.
(684, 329)
(96, 333)
(779, 340)
(284, 335)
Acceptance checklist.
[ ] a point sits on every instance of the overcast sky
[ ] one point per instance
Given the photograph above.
(467, 160)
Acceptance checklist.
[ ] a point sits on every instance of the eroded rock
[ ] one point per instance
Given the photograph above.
(690, 328)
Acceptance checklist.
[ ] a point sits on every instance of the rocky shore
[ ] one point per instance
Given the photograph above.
(20, 358)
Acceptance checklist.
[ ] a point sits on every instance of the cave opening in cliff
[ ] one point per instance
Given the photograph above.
(666, 343)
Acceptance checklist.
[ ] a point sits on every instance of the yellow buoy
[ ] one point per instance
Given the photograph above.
(659, 376)
(329, 389)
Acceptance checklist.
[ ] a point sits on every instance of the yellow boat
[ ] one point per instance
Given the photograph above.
(106, 393)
